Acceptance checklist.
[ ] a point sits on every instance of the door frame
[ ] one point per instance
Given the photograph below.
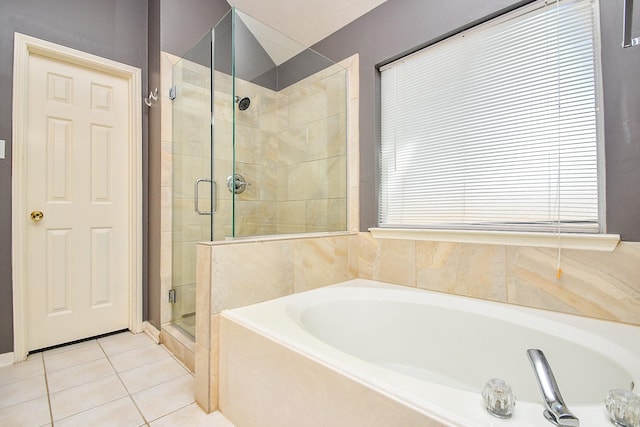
(24, 46)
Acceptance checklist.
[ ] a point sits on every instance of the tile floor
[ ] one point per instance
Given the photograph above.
(122, 380)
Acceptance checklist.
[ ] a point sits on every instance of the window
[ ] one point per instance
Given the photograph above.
(497, 127)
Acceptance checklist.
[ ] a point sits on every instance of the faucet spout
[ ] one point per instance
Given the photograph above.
(557, 412)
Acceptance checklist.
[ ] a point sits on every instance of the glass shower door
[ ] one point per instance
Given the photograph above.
(193, 195)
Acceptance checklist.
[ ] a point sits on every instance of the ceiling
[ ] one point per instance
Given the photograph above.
(306, 21)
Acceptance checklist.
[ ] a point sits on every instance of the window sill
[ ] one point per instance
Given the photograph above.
(593, 242)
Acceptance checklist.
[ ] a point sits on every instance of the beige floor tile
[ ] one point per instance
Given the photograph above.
(119, 413)
(22, 391)
(138, 357)
(27, 414)
(166, 398)
(192, 416)
(19, 371)
(86, 353)
(87, 396)
(152, 374)
(125, 341)
(73, 376)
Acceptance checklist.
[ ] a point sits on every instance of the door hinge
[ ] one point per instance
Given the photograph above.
(172, 296)
(172, 93)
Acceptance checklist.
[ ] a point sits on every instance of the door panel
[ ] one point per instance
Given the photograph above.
(77, 162)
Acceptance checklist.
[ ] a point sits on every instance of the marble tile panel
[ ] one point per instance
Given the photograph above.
(308, 104)
(254, 218)
(223, 140)
(166, 217)
(165, 306)
(269, 276)
(462, 269)
(184, 263)
(223, 106)
(214, 363)
(165, 254)
(320, 262)
(166, 167)
(336, 175)
(337, 92)
(387, 260)
(203, 294)
(603, 285)
(292, 146)
(326, 138)
(305, 181)
(202, 378)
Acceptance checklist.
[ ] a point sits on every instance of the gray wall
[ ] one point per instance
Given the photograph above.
(401, 26)
(184, 22)
(114, 29)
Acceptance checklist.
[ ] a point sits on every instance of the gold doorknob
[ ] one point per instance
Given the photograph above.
(37, 215)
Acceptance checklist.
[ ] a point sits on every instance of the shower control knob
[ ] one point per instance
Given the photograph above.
(236, 183)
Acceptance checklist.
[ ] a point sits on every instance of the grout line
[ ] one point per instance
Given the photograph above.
(146, 422)
(46, 383)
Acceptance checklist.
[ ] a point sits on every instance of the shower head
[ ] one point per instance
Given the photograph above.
(243, 103)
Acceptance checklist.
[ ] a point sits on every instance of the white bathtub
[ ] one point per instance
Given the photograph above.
(433, 352)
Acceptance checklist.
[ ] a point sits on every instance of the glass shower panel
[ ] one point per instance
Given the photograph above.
(192, 176)
(290, 139)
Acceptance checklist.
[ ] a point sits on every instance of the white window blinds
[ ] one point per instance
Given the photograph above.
(496, 128)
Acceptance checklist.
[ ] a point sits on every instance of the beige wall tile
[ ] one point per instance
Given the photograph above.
(214, 363)
(202, 381)
(604, 285)
(247, 273)
(203, 293)
(464, 269)
(320, 262)
(389, 260)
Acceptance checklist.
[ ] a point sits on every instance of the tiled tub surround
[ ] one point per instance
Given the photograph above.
(240, 273)
(604, 285)
(281, 361)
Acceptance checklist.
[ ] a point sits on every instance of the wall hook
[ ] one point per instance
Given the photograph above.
(152, 98)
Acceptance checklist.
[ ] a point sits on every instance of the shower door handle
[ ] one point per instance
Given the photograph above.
(196, 197)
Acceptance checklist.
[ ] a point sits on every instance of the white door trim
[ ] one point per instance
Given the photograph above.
(23, 47)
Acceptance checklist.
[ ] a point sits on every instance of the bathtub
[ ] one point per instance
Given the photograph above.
(357, 352)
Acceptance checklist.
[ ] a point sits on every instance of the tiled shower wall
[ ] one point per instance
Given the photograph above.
(290, 147)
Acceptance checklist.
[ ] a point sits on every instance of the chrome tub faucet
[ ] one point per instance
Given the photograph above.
(557, 412)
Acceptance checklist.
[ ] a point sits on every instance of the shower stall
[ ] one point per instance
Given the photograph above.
(259, 145)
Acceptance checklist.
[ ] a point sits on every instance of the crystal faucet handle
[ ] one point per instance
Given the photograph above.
(498, 398)
(623, 407)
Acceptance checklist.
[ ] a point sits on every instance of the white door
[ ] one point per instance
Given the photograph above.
(77, 250)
